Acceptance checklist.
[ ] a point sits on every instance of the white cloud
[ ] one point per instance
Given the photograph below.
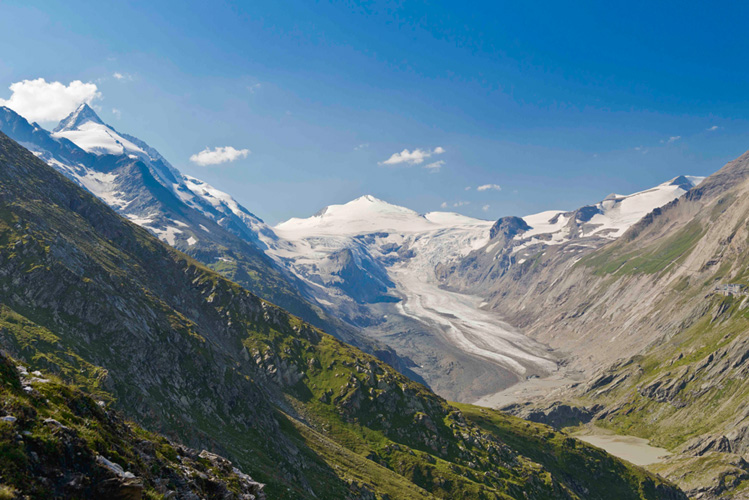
(364, 145)
(117, 113)
(434, 167)
(121, 76)
(467, 188)
(444, 204)
(487, 187)
(713, 128)
(485, 208)
(40, 101)
(414, 157)
(671, 139)
(254, 88)
(217, 156)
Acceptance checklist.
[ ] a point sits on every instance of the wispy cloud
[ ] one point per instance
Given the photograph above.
(415, 157)
(713, 128)
(457, 204)
(121, 76)
(117, 113)
(671, 139)
(219, 155)
(42, 101)
(467, 188)
(364, 145)
(435, 166)
(489, 187)
(485, 208)
(254, 87)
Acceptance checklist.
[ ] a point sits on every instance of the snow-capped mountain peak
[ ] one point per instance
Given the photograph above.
(608, 219)
(368, 215)
(86, 130)
(99, 158)
(83, 114)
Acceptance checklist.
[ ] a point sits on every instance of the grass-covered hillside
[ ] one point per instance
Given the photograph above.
(183, 351)
(56, 441)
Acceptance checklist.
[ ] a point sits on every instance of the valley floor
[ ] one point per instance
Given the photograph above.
(530, 389)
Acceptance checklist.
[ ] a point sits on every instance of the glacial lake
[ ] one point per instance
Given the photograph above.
(630, 448)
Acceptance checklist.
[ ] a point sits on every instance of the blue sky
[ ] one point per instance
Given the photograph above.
(557, 104)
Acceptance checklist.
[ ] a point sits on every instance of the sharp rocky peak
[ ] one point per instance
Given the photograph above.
(683, 182)
(82, 114)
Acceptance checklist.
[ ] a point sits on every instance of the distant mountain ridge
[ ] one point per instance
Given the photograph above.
(559, 238)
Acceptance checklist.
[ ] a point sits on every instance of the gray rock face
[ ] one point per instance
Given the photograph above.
(557, 415)
(508, 227)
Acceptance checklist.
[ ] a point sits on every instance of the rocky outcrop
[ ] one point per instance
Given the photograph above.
(508, 227)
(557, 415)
(88, 451)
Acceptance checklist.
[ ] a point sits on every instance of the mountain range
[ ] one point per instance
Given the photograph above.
(147, 330)
(188, 214)
(626, 315)
(363, 271)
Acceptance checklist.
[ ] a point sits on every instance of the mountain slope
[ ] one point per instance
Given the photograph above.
(528, 260)
(178, 348)
(136, 181)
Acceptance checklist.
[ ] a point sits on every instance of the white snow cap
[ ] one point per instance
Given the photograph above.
(366, 215)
